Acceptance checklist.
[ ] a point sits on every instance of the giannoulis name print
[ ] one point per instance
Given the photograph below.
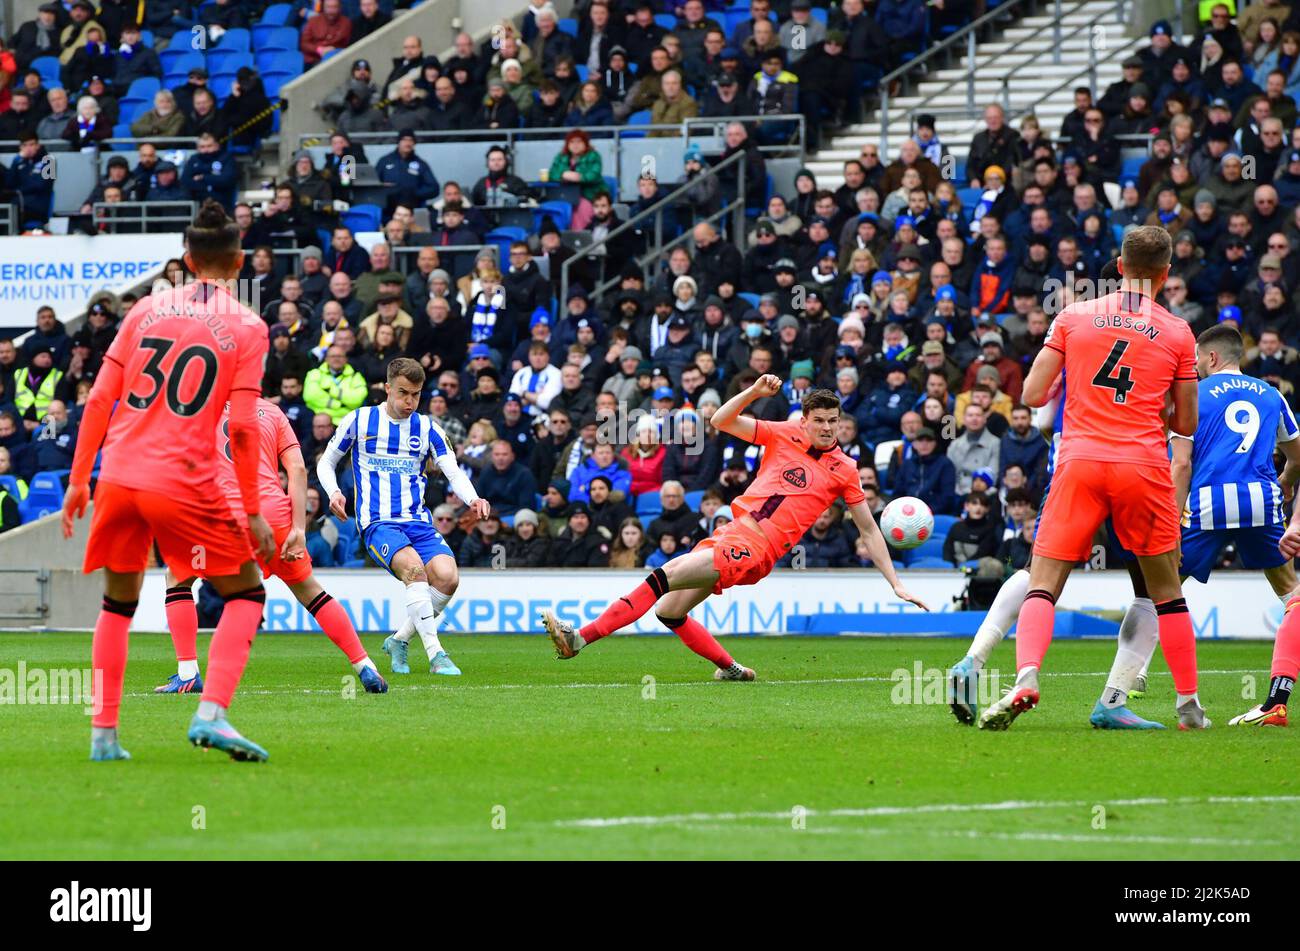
(77, 904)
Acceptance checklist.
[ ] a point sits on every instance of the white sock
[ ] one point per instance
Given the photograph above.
(1003, 614)
(1139, 633)
(405, 632)
(1183, 698)
(423, 606)
(1027, 677)
(211, 710)
(362, 665)
(187, 669)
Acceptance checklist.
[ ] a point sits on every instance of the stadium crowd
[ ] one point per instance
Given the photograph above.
(918, 288)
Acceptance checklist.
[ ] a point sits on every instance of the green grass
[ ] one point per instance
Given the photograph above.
(419, 772)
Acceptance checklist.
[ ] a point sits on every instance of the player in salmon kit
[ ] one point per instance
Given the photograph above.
(803, 471)
(179, 356)
(287, 516)
(1127, 360)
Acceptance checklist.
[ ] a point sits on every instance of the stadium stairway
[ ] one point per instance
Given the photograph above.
(1040, 85)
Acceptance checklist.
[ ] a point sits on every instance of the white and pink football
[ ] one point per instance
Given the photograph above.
(906, 522)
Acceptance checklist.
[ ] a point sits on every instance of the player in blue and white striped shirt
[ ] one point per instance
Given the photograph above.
(390, 446)
(1224, 474)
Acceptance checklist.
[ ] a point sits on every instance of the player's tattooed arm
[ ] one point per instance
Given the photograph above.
(879, 551)
(727, 418)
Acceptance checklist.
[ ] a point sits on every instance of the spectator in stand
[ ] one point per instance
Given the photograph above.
(506, 483)
(335, 387)
(977, 535)
(55, 440)
(578, 545)
(974, 449)
(324, 33)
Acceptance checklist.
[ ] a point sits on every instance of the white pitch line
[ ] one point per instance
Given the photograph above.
(1010, 805)
(278, 689)
(1091, 839)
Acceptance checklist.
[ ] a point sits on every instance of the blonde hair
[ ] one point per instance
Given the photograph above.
(484, 429)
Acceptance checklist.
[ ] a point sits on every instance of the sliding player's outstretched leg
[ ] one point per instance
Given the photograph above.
(964, 676)
(673, 612)
(694, 570)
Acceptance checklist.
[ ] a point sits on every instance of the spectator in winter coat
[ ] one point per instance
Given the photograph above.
(974, 449)
(1023, 445)
(928, 475)
(976, 536)
(506, 483)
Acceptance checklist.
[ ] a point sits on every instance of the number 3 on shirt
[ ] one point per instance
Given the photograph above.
(1122, 381)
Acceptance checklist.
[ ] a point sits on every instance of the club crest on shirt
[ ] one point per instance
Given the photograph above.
(797, 477)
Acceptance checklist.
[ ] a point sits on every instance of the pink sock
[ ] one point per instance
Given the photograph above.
(697, 637)
(108, 659)
(336, 624)
(1286, 650)
(231, 643)
(629, 609)
(1034, 629)
(183, 622)
(1178, 643)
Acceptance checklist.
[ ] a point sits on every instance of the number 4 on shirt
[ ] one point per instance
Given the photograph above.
(1122, 381)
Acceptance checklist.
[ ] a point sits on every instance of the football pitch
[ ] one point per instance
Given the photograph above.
(631, 751)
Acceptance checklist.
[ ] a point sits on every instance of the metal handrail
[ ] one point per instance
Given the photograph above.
(618, 133)
(142, 214)
(967, 34)
(656, 210)
(1059, 39)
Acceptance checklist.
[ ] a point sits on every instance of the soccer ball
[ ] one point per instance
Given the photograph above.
(906, 522)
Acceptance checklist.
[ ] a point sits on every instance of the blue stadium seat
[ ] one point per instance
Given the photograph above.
(277, 14)
(123, 131)
(132, 108)
(143, 88)
(932, 547)
(43, 497)
(48, 67)
(268, 36)
(10, 484)
(362, 218)
(278, 61)
(560, 211)
(274, 81)
(970, 197)
(611, 186)
(228, 61)
(749, 298)
(1132, 167)
(582, 72)
(648, 504)
(220, 84)
(146, 38)
(932, 564)
(178, 62)
(667, 21)
(819, 14)
(693, 500)
(942, 523)
(235, 39)
(568, 25)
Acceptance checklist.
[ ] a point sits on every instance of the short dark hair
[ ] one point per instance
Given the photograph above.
(1224, 340)
(407, 369)
(819, 399)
